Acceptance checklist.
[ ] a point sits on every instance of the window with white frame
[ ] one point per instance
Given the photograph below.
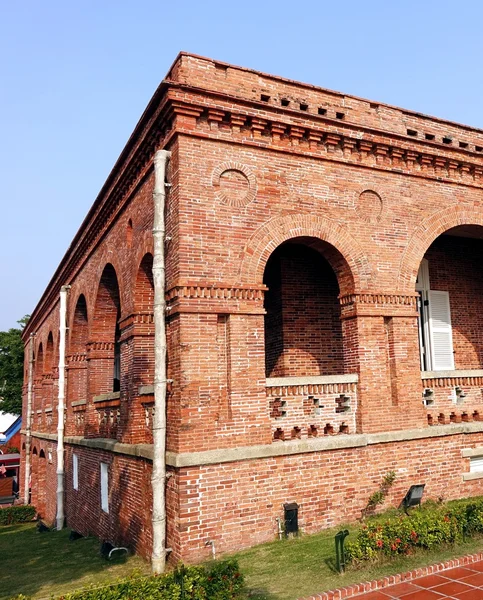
(476, 464)
(75, 471)
(435, 332)
(105, 487)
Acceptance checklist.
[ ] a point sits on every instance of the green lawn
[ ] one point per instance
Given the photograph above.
(41, 564)
(290, 569)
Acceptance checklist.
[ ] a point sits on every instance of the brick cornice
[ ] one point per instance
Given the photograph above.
(344, 142)
(270, 127)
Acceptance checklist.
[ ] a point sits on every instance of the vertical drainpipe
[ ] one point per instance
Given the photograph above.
(28, 427)
(61, 407)
(158, 557)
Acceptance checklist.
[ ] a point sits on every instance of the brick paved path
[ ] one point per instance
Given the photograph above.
(461, 583)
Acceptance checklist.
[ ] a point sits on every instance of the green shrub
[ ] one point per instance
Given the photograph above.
(219, 581)
(427, 527)
(17, 514)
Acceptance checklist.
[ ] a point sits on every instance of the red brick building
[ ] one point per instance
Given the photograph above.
(324, 289)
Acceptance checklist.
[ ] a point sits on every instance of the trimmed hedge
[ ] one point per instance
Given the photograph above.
(22, 513)
(427, 527)
(219, 581)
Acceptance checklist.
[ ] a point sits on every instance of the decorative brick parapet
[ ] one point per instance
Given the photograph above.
(215, 298)
(356, 589)
(453, 396)
(307, 407)
(378, 304)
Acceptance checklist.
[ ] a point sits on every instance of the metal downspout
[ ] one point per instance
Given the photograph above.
(61, 407)
(158, 558)
(28, 425)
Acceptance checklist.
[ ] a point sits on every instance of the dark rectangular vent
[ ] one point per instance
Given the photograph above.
(264, 98)
(463, 145)
(412, 132)
(429, 136)
(447, 140)
(284, 102)
(291, 517)
(339, 115)
(322, 111)
(304, 106)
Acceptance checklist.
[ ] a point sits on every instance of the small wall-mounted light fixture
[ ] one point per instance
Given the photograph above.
(413, 497)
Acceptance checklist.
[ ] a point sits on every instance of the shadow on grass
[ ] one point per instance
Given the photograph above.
(331, 565)
(41, 564)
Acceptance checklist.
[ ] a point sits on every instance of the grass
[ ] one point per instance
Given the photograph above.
(290, 569)
(45, 564)
(41, 565)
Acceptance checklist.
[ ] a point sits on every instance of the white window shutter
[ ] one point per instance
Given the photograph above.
(441, 332)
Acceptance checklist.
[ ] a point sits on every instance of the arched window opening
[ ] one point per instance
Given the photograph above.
(450, 287)
(39, 362)
(116, 384)
(49, 354)
(303, 331)
(129, 233)
(105, 334)
(77, 363)
(144, 290)
(79, 329)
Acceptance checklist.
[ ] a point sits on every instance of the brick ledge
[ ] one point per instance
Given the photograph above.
(379, 584)
(305, 446)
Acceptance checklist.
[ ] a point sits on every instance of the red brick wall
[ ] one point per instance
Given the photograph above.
(247, 175)
(128, 520)
(236, 504)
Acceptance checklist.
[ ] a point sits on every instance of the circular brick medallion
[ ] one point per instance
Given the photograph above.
(235, 184)
(369, 206)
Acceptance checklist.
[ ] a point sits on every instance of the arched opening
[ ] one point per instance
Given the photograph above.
(129, 233)
(303, 331)
(41, 484)
(450, 287)
(144, 288)
(48, 371)
(105, 335)
(49, 354)
(77, 365)
(37, 403)
(143, 363)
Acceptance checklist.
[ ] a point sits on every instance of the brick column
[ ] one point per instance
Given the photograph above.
(216, 359)
(381, 345)
(100, 361)
(76, 393)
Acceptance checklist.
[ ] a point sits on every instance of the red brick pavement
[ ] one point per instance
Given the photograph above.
(457, 579)
(460, 583)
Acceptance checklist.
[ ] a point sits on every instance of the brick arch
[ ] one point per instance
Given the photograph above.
(107, 307)
(49, 354)
(78, 330)
(107, 257)
(425, 234)
(352, 268)
(144, 285)
(39, 361)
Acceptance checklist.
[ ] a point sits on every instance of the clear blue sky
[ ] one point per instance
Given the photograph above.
(75, 77)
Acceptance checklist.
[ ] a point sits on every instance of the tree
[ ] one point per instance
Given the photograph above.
(11, 368)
